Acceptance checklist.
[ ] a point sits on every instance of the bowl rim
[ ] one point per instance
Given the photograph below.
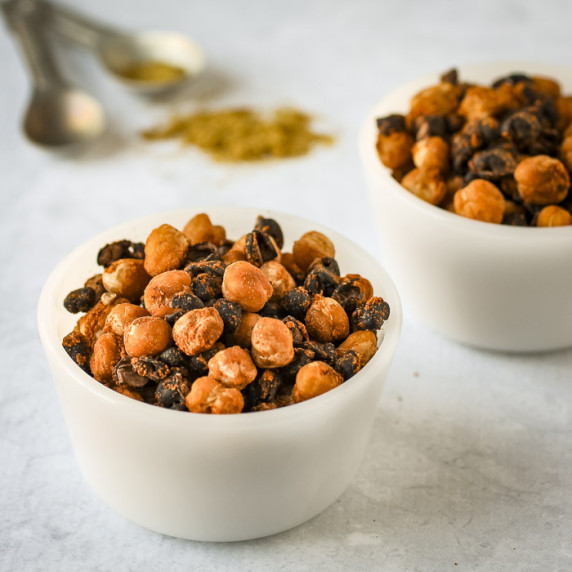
(382, 174)
(51, 342)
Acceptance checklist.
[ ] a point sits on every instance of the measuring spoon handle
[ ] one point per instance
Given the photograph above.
(75, 26)
(21, 18)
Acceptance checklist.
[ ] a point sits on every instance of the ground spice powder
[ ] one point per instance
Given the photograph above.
(236, 135)
(152, 71)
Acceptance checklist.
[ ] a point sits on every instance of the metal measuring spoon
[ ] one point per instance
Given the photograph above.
(118, 50)
(58, 115)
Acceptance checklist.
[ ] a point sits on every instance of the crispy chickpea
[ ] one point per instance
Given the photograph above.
(272, 343)
(233, 255)
(198, 330)
(289, 263)
(480, 101)
(209, 396)
(243, 334)
(161, 289)
(246, 284)
(439, 99)
(201, 229)
(233, 367)
(147, 336)
(542, 180)
(126, 277)
(280, 279)
(553, 215)
(480, 200)
(121, 316)
(564, 109)
(91, 325)
(566, 152)
(165, 249)
(314, 379)
(394, 150)
(106, 354)
(546, 85)
(427, 185)
(326, 320)
(312, 245)
(362, 342)
(431, 153)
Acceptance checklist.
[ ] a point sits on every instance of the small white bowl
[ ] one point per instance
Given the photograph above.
(207, 477)
(490, 286)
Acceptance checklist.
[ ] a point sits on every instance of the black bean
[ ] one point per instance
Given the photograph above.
(186, 301)
(154, 369)
(76, 347)
(259, 248)
(390, 124)
(321, 281)
(124, 374)
(296, 302)
(297, 329)
(348, 365)
(120, 249)
(371, 315)
(173, 357)
(230, 312)
(272, 228)
(80, 300)
(207, 286)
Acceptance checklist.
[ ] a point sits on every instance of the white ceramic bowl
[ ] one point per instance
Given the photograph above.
(206, 477)
(490, 286)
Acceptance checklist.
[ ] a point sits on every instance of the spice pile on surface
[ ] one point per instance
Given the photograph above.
(235, 135)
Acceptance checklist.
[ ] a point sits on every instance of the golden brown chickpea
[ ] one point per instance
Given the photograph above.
(243, 334)
(128, 392)
(201, 229)
(272, 343)
(480, 101)
(326, 320)
(566, 152)
(233, 255)
(289, 263)
(246, 284)
(280, 279)
(546, 85)
(91, 325)
(362, 342)
(147, 336)
(394, 150)
(312, 245)
(431, 153)
(553, 215)
(233, 367)
(564, 109)
(542, 180)
(209, 396)
(314, 379)
(427, 185)
(107, 352)
(165, 249)
(121, 316)
(439, 99)
(198, 330)
(127, 278)
(161, 289)
(480, 200)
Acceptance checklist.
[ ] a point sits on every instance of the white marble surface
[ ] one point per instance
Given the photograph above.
(470, 461)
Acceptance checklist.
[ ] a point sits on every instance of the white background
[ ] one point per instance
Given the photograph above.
(470, 461)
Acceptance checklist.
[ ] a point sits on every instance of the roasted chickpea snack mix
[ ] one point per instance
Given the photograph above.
(193, 321)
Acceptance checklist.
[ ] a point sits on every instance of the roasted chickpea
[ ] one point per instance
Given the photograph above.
(147, 336)
(394, 150)
(91, 325)
(197, 330)
(480, 200)
(201, 229)
(165, 249)
(546, 85)
(107, 352)
(480, 101)
(566, 152)
(314, 379)
(121, 316)
(440, 99)
(564, 109)
(312, 245)
(553, 215)
(427, 185)
(243, 334)
(161, 289)
(233, 367)
(233, 255)
(280, 279)
(272, 343)
(126, 277)
(431, 153)
(362, 342)
(326, 320)
(246, 284)
(542, 180)
(209, 396)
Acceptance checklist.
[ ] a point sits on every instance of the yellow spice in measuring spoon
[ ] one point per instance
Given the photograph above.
(152, 71)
